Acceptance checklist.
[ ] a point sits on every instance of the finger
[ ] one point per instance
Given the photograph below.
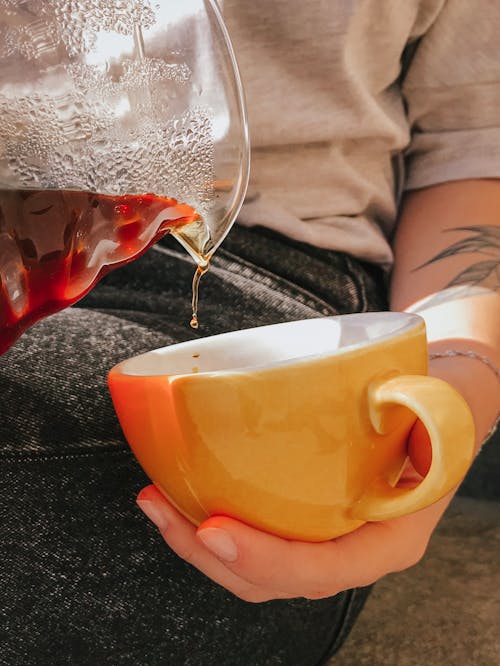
(180, 535)
(419, 448)
(322, 569)
(311, 570)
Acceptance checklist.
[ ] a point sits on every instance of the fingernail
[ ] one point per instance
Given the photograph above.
(220, 543)
(154, 514)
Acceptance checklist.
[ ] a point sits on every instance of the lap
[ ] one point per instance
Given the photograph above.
(84, 576)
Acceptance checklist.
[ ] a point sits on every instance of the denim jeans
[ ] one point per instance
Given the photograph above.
(85, 578)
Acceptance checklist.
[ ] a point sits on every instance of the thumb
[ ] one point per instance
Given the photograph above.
(419, 448)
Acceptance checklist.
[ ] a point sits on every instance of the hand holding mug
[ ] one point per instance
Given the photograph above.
(297, 429)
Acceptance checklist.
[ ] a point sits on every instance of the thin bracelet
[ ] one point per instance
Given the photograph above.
(450, 353)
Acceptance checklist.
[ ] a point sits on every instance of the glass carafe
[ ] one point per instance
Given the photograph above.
(120, 121)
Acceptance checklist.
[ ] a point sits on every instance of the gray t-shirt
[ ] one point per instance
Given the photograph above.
(353, 101)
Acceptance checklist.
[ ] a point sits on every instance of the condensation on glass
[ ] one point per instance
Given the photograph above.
(121, 98)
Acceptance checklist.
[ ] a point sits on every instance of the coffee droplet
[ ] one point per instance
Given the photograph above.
(199, 273)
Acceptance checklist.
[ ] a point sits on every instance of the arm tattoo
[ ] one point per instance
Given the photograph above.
(483, 240)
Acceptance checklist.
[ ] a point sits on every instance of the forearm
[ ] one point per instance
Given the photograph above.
(447, 269)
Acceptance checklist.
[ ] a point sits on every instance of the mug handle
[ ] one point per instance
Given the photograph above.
(449, 423)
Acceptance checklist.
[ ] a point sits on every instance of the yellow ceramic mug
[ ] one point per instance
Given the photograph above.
(299, 428)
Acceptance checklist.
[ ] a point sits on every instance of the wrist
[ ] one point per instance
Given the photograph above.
(475, 377)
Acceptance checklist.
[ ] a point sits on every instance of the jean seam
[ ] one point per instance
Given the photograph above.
(340, 634)
(44, 456)
(359, 286)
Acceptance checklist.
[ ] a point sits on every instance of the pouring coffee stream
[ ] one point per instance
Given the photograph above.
(199, 273)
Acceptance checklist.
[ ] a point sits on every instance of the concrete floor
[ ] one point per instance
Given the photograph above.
(446, 610)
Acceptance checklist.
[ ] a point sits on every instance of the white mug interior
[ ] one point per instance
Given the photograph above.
(272, 345)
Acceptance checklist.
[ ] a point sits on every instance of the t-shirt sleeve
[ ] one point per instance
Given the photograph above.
(452, 92)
